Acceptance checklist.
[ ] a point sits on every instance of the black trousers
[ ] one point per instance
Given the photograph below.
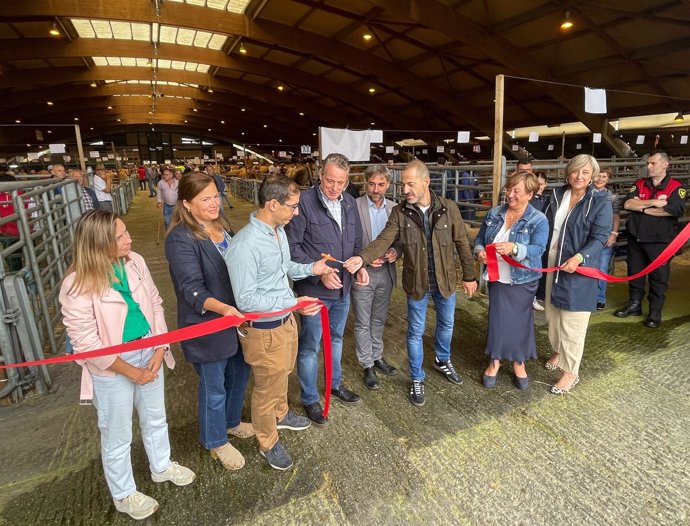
(640, 255)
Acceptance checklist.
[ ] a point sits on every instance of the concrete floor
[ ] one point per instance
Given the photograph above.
(614, 451)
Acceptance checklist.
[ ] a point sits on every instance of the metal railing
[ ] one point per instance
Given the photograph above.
(37, 237)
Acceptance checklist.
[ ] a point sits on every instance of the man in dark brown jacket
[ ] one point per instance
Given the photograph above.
(430, 230)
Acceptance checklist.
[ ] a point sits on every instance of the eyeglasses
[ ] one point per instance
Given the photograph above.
(294, 207)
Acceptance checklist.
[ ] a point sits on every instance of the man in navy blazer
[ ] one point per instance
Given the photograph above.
(370, 302)
(327, 223)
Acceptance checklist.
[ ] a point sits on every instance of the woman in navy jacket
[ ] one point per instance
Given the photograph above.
(519, 230)
(194, 246)
(579, 226)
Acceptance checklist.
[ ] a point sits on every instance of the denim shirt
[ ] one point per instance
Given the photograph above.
(530, 233)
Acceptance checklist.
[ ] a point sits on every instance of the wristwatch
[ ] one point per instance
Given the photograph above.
(515, 249)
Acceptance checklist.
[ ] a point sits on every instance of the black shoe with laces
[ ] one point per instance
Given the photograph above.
(386, 368)
(417, 393)
(448, 370)
(345, 396)
(315, 414)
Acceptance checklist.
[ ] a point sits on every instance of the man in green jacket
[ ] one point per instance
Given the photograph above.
(430, 230)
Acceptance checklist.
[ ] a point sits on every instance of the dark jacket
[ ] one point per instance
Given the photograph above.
(585, 230)
(654, 229)
(314, 231)
(198, 272)
(448, 236)
(92, 194)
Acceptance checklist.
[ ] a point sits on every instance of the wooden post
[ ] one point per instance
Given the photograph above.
(80, 149)
(498, 139)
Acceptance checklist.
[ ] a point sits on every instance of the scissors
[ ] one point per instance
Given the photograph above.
(328, 257)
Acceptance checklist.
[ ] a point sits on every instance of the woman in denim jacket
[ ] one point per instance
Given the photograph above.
(520, 231)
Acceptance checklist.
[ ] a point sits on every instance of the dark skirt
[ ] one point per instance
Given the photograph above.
(511, 322)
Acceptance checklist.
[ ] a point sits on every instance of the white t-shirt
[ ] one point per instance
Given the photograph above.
(98, 187)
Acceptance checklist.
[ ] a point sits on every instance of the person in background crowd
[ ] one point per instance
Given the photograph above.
(195, 245)
(579, 226)
(88, 196)
(57, 171)
(260, 268)
(108, 297)
(538, 201)
(430, 231)
(141, 172)
(150, 180)
(655, 204)
(327, 223)
(102, 184)
(178, 174)
(524, 165)
(520, 231)
(167, 195)
(220, 185)
(370, 302)
(600, 186)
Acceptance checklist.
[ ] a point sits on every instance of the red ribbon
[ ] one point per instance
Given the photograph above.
(666, 254)
(203, 329)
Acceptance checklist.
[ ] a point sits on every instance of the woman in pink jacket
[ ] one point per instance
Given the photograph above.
(108, 297)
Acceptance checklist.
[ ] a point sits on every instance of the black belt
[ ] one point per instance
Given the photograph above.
(268, 324)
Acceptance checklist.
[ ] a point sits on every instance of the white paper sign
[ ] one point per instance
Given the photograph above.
(389, 149)
(452, 150)
(205, 157)
(463, 137)
(94, 155)
(683, 140)
(640, 139)
(305, 149)
(533, 136)
(425, 151)
(167, 161)
(56, 148)
(515, 147)
(240, 153)
(118, 158)
(550, 148)
(440, 149)
(353, 144)
(578, 146)
(477, 148)
(67, 158)
(396, 152)
(46, 159)
(596, 138)
(32, 156)
(376, 136)
(282, 154)
(595, 100)
(111, 156)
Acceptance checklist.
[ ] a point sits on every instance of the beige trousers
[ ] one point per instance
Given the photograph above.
(567, 330)
(271, 353)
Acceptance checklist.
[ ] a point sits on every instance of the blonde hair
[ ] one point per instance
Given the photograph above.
(93, 253)
(192, 184)
(530, 179)
(580, 161)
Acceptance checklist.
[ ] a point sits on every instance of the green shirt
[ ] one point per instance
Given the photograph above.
(136, 325)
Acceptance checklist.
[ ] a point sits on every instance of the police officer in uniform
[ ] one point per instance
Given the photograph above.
(655, 203)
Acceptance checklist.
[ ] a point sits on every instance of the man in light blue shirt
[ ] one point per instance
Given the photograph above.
(259, 264)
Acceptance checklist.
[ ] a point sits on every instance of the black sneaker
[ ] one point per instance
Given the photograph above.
(277, 457)
(447, 369)
(417, 393)
(371, 381)
(386, 368)
(315, 414)
(601, 306)
(293, 422)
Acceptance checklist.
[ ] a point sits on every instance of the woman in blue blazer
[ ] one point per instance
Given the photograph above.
(195, 244)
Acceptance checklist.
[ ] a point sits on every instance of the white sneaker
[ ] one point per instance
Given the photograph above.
(178, 475)
(536, 305)
(137, 505)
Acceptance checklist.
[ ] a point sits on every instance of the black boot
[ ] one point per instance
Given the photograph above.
(370, 378)
(653, 321)
(634, 308)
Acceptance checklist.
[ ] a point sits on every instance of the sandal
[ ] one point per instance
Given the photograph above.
(243, 430)
(558, 391)
(228, 456)
(550, 366)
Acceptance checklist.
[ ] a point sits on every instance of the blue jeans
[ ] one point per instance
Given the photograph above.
(114, 397)
(167, 214)
(221, 396)
(604, 267)
(310, 345)
(416, 321)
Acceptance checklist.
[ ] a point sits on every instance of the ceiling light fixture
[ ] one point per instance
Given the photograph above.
(186, 121)
(50, 103)
(54, 31)
(367, 36)
(119, 120)
(265, 125)
(18, 121)
(567, 22)
(281, 87)
(243, 109)
(93, 84)
(110, 107)
(195, 110)
(679, 117)
(76, 118)
(243, 49)
(222, 122)
(301, 114)
(372, 90)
